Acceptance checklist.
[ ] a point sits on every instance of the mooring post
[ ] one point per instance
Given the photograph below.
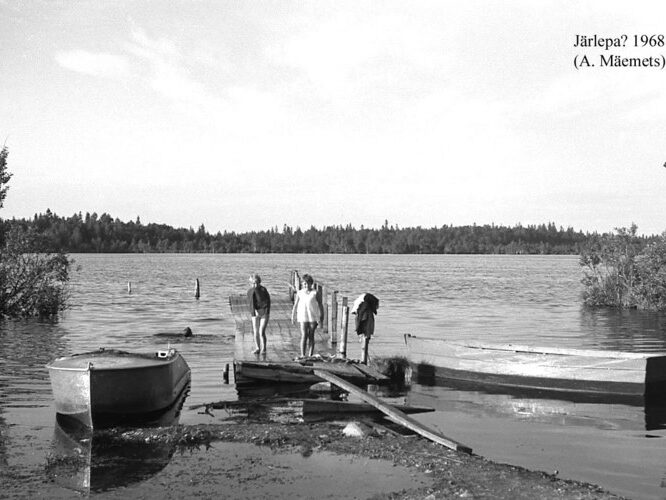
(292, 287)
(333, 319)
(324, 302)
(129, 287)
(344, 324)
(196, 289)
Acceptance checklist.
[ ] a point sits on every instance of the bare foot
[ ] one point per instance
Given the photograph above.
(256, 351)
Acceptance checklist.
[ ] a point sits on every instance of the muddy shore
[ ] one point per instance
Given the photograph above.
(441, 473)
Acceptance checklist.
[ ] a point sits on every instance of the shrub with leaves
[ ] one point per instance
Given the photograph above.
(33, 280)
(625, 270)
(33, 283)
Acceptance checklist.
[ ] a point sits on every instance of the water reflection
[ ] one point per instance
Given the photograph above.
(540, 405)
(92, 461)
(25, 347)
(624, 330)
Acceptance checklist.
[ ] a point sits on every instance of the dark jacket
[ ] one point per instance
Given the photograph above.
(258, 299)
(365, 315)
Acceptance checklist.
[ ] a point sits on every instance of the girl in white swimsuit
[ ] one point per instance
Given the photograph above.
(307, 310)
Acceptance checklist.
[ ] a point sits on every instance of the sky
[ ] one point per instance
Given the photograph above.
(246, 115)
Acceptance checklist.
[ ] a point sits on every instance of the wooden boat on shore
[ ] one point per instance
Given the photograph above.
(548, 368)
(112, 386)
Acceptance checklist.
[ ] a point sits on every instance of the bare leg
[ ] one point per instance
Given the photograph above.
(255, 331)
(364, 353)
(311, 339)
(263, 323)
(304, 337)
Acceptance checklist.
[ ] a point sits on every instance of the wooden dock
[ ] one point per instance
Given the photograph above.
(279, 363)
(282, 336)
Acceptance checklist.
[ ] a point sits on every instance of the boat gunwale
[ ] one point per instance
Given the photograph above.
(148, 362)
(550, 351)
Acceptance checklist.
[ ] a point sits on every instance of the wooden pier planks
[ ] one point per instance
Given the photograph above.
(393, 413)
(283, 337)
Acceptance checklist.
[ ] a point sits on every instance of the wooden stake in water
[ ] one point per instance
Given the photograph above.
(344, 324)
(129, 287)
(333, 318)
(197, 291)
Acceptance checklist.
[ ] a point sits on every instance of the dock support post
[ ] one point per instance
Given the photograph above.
(344, 324)
(197, 291)
(324, 301)
(333, 319)
(292, 285)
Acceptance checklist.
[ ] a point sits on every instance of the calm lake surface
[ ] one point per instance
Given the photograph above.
(520, 299)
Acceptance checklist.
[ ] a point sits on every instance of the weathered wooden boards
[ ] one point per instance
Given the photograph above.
(304, 372)
(282, 336)
(393, 413)
(594, 371)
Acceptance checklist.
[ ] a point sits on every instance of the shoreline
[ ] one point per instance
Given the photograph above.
(450, 474)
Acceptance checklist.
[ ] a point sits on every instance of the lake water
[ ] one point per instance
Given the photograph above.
(520, 299)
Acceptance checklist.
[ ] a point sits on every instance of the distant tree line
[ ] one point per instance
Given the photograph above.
(104, 234)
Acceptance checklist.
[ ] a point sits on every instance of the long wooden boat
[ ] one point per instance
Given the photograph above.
(113, 386)
(549, 368)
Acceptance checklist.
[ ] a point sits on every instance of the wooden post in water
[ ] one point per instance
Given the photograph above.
(129, 287)
(344, 324)
(292, 288)
(197, 291)
(324, 302)
(333, 319)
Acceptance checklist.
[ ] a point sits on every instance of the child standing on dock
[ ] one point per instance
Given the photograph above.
(308, 310)
(259, 303)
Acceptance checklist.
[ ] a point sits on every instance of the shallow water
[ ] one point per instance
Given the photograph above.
(521, 299)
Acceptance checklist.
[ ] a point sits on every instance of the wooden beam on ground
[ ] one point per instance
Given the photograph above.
(393, 413)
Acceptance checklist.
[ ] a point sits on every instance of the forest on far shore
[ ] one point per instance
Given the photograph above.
(104, 234)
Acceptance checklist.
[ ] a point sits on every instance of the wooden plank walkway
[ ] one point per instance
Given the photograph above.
(393, 413)
(282, 337)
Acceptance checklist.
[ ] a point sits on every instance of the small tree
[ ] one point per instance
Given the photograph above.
(4, 175)
(32, 279)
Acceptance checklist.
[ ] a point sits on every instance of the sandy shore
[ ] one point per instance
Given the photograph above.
(256, 460)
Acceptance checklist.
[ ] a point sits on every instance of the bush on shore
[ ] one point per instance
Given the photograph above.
(625, 271)
(33, 281)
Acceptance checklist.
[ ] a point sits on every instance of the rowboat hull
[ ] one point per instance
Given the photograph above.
(553, 369)
(115, 386)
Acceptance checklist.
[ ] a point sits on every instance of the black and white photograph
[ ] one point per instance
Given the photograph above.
(336, 249)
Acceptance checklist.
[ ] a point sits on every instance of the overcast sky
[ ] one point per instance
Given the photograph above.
(243, 115)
